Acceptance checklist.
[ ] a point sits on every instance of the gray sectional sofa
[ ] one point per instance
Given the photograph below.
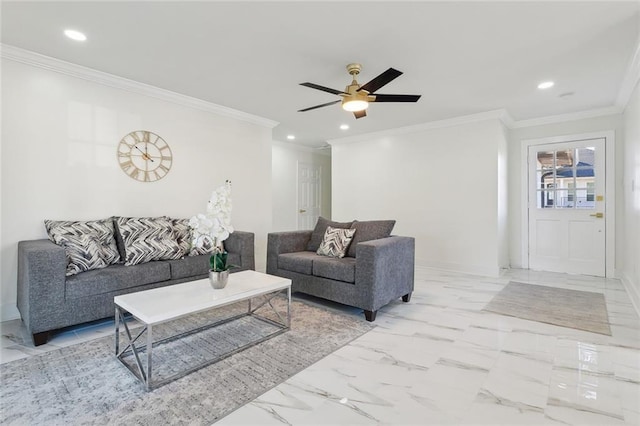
(377, 269)
(49, 300)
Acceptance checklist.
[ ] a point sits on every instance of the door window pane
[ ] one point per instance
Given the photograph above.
(565, 179)
(564, 199)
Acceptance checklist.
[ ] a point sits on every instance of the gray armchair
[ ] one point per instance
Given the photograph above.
(381, 271)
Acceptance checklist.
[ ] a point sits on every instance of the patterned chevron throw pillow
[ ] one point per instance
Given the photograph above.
(88, 245)
(148, 238)
(184, 236)
(182, 231)
(335, 242)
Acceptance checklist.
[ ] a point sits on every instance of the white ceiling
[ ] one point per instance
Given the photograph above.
(462, 57)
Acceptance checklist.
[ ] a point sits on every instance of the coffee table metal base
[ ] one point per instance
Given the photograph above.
(145, 372)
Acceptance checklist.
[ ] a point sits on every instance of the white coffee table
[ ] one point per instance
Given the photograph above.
(160, 305)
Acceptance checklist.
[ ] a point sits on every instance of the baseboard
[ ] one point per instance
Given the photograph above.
(9, 312)
(461, 268)
(633, 290)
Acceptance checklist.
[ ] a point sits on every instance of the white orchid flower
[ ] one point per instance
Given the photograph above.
(214, 226)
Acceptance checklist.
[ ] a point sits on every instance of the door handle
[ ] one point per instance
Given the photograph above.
(598, 215)
(303, 211)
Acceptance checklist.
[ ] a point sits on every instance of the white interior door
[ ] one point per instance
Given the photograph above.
(567, 218)
(309, 195)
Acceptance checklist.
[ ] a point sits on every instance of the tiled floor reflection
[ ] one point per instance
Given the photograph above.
(440, 359)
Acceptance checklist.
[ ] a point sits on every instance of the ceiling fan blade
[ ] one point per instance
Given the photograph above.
(360, 114)
(384, 78)
(319, 106)
(397, 98)
(324, 89)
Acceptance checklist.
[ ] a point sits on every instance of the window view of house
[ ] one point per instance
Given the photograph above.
(565, 179)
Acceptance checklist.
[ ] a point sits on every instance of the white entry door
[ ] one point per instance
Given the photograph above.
(309, 195)
(567, 215)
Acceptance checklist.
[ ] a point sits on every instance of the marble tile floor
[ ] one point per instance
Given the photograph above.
(440, 359)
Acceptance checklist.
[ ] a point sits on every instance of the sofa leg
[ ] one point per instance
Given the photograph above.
(370, 315)
(40, 338)
(406, 298)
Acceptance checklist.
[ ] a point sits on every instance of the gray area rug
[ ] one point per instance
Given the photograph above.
(582, 310)
(86, 384)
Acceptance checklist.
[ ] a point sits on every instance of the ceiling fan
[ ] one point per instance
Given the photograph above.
(356, 97)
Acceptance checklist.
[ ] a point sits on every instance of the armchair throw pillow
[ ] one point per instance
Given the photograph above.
(335, 242)
(87, 244)
(320, 229)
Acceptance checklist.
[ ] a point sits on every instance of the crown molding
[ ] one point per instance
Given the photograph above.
(572, 116)
(631, 78)
(499, 114)
(67, 68)
(322, 150)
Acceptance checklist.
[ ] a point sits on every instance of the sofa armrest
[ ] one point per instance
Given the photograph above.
(243, 243)
(385, 269)
(42, 267)
(285, 242)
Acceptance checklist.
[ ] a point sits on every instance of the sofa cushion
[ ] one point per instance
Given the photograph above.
(234, 259)
(88, 245)
(114, 278)
(301, 261)
(335, 242)
(192, 266)
(189, 266)
(321, 227)
(369, 230)
(148, 238)
(335, 269)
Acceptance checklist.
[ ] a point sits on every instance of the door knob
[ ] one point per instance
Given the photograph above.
(598, 215)
(303, 211)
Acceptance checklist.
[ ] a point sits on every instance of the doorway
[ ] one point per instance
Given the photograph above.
(309, 195)
(569, 206)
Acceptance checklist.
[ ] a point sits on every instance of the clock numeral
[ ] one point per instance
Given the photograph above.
(126, 143)
(134, 173)
(145, 136)
(126, 165)
(165, 158)
(164, 168)
(135, 137)
(146, 176)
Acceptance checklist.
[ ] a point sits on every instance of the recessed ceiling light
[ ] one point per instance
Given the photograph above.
(545, 84)
(291, 137)
(75, 35)
(344, 126)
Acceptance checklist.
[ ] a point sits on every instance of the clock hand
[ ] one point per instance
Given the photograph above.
(144, 154)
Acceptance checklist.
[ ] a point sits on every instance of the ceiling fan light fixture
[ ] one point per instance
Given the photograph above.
(354, 105)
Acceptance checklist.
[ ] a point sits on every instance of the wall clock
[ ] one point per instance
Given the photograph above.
(144, 156)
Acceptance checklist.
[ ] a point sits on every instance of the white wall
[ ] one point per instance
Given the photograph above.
(284, 171)
(441, 185)
(59, 140)
(630, 241)
(517, 174)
